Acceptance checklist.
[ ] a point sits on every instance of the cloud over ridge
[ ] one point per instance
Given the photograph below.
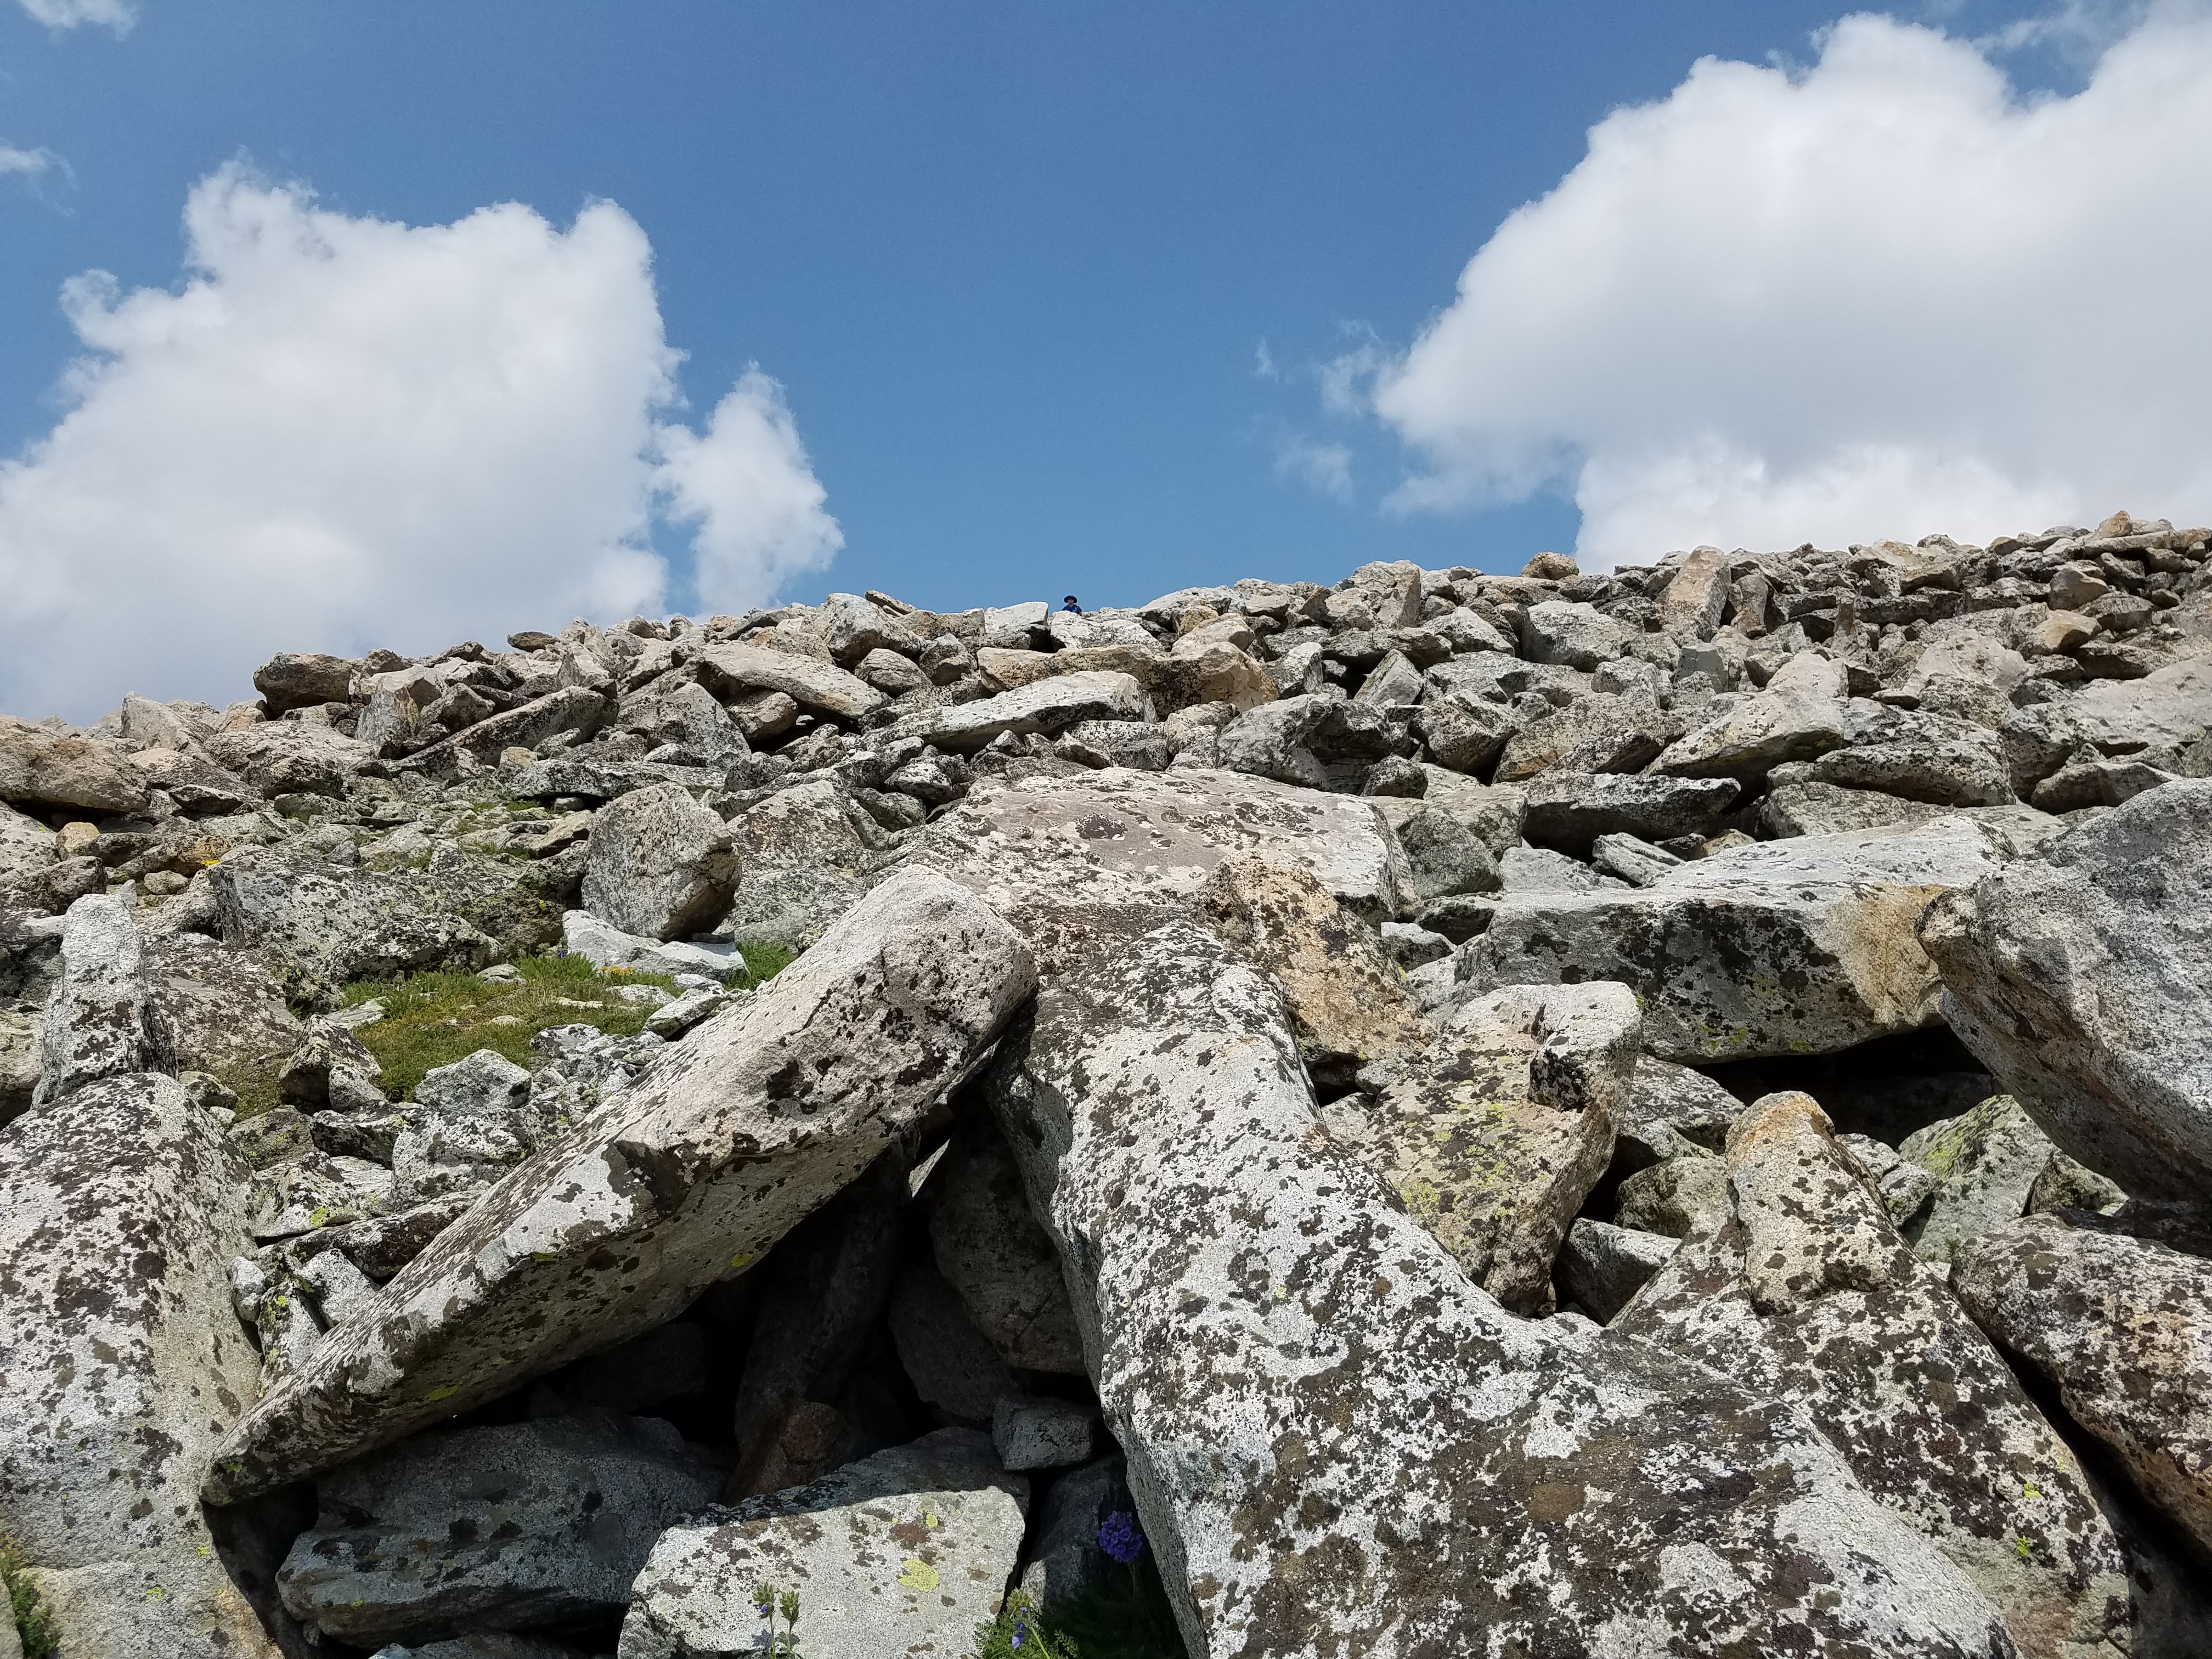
(342, 432)
(1882, 294)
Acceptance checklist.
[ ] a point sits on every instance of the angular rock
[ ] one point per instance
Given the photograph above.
(1601, 1267)
(1063, 1565)
(506, 1528)
(1673, 1112)
(223, 1011)
(819, 687)
(1115, 840)
(805, 861)
(122, 1362)
(572, 709)
(606, 947)
(1568, 810)
(1810, 1296)
(1579, 636)
(1464, 734)
(1049, 707)
(100, 1020)
(952, 1366)
(27, 848)
(1344, 998)
(64, 769)
(1697, 596)
(1043, 1433)
(1984, 1163)
(660, 865)
(1495, 1134)
(1445, 856)
(300, 679)
(620, 1222)
(1799, 946)
(290, 757)
(1594, 734)
(1300, 1375)
(1683, 1198)
(1799, 716)
(2122, 1328)
(2078, 975)
(992, 1252)
(853, 628)
(902, 1554)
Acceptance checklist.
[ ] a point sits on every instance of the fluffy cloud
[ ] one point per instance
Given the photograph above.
(116, 15)
(1883, 295)
(341, 432)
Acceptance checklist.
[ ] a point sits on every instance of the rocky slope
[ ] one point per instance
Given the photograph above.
(1657, 1113)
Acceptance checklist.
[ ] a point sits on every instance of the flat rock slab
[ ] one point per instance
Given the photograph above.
(762, 1114)
(66, 768)
(1793, 947)
(2123, 1327)
(509, 1527)
(1049, 705)
(1338, 1444)
(2079, 976)
(1119, 838)
(1807, 1295)
(121, 1364)
(901, 1554)
(820, 687)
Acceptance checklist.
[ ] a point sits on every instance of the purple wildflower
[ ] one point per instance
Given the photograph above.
(1119, 1537)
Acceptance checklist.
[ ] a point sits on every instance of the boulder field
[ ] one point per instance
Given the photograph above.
(1660, 1112)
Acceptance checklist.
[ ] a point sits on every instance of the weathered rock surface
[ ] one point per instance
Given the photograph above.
(767, 1110)
(102, 1020)
(290, 756)
(1337, 1409)
(1984, 1163)
(661, 865)
(2078, 976)
(61, 768)
(513, 1526)
(1810, 1296)
(1049, 707)
(1600, 1267)
(899, 1556)
(1495, 1134)
(821, 688)
(1805, 945)
(122, 1364)
(2122, 1328)
(992, 1252)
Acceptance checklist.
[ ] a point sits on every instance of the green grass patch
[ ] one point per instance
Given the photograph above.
(34, 1621)
(765, 962)
(1128, 1618)
(433, 1019)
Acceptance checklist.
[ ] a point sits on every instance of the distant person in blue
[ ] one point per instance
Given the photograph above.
(1070, 605)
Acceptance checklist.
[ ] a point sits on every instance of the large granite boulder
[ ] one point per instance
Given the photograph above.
(102, 1020)
(507, 1527)
(1049, 705)
(661, 865)
(899, 1556)
(758, 1116)
(121, 1364)
(2079, 976)
(820, 687)
(2122, 1328)
(1319, 1408)
(290, 757)
(991, 1250)
(39, 765)
(1808, 1295)
(1791, 947)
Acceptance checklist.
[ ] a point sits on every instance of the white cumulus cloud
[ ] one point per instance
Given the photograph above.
(1884, 294)
(116, 15)
(343, 432)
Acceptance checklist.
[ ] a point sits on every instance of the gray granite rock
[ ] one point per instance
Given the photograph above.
(1601, 1267)
(102, 1020)
(661, 865)
(992, 1253)
(1985, 1164)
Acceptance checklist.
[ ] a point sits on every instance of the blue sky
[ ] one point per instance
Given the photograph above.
(1012, 265)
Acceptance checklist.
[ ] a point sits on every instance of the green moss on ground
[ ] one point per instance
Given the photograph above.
(433, 1019)
(33, 1620)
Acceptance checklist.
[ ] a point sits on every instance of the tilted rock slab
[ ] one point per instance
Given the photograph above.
(820, 687)
(1050, 705)
(1498, 1130)
(898, 1556)
(1338, 1444)
(2079, 976)
(1808, 1295)
(121, 1364)
(766, 1110)
(102, 1020)
(1799, 946)
(2123, 1327)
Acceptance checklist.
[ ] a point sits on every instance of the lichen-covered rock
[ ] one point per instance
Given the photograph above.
(819, 687)
(754, 1120)
(224, 1011)
(806, 862)
(953, 1366)
(66, 768)
(992, 1252)
(1799, 716)
(1810, 1296)
(660, 865)
(300, 679)
(100, 1020)
(1318, 1407)
(290, 757)
(899, 1556)
(1494, 1133)
(1985, 1163)
(1673, 1112)
(1600, 1267)
(121, 1364)
(2122, 1328)
(2078, 975)
(1346, 1002)
(509, 1527)
(1568, 810)
(1119, 839)
(1801, 946)
(1049, 707)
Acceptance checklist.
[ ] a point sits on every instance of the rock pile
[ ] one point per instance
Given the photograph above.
(1662, 1112)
